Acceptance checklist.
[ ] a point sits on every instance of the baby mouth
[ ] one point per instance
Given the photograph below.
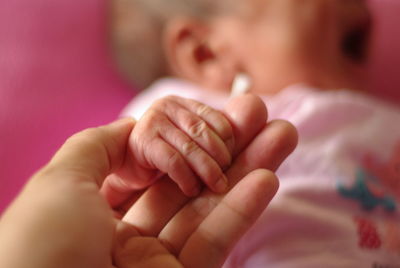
(355, 42)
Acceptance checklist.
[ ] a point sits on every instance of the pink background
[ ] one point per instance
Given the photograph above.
(56, 77)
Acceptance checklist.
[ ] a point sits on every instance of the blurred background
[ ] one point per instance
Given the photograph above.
(57, 77)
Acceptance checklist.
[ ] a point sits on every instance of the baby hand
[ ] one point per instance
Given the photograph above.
(185, 139)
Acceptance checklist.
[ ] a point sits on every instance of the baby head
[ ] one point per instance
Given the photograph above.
(277, 43)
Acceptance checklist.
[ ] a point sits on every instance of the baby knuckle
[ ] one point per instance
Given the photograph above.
(204, 110)
(161, 104)
(164, 102)
(158, 104)
(172, 98)
(146, 120)
(141, 142)
(219, 123)
(174, 161)
(189, 148)
(197, 128)
(152, 119)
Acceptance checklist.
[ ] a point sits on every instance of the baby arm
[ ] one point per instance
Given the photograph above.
(183, 138)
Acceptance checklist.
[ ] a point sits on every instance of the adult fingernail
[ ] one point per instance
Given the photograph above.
(222, 184)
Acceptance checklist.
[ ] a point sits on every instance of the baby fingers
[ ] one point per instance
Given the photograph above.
(198, 120)
(199, 161)
(187, 140)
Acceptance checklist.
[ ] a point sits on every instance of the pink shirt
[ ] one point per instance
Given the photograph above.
(338, 203)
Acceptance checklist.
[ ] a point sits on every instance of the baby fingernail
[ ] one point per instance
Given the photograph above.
(222, 184)
(230, 144)
(195, 191)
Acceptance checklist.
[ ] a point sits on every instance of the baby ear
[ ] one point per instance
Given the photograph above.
(192, 54)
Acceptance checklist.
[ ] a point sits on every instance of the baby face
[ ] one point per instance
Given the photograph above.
(322, 43)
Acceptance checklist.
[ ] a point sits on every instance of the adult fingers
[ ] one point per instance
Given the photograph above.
(267, 150)
(214, 238)
(131, 250)
(248, 116)
(118, 193)
(176, 141)
(92, 154)
(148, 157)
(118, 187)
(188, 154)
(152, 222)
(155, 207)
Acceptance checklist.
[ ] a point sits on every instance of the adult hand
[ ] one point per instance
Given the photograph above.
(61, 219)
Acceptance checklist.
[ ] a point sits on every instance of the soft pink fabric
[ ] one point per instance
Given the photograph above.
(340, 178)
(55, 79)
(338, 200)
